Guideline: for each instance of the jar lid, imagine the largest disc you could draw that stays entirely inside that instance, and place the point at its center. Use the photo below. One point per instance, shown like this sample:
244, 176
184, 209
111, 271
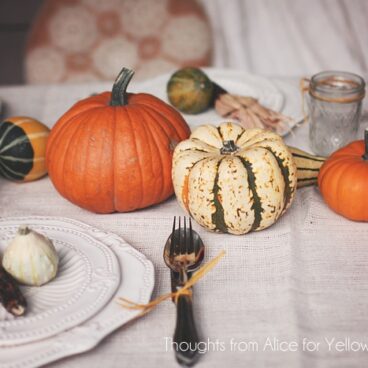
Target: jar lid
337, 87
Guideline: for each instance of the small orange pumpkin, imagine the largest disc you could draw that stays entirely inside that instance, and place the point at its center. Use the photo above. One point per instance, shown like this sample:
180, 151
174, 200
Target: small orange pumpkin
343, 180
113, 151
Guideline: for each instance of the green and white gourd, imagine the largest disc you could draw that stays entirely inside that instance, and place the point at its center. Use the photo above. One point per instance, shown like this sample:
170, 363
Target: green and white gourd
234, 180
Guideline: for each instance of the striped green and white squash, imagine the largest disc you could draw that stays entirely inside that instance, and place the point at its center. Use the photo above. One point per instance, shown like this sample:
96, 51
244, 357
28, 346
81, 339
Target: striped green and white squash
234, 180
307, 166
22, 149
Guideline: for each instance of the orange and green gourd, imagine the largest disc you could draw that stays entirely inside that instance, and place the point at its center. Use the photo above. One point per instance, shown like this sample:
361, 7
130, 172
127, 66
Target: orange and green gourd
23, 148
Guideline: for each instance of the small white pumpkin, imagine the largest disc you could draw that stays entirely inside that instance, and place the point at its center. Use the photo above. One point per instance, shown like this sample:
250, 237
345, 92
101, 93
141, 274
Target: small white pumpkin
31, 258
234, 180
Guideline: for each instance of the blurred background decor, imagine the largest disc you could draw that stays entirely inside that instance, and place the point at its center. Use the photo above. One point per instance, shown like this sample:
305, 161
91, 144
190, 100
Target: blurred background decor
84, 40
94, 38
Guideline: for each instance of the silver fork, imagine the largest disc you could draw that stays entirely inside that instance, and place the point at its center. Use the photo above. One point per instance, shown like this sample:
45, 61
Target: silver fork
183, 254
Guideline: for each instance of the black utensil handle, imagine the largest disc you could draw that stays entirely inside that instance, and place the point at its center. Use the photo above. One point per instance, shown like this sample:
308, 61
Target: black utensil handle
185, 337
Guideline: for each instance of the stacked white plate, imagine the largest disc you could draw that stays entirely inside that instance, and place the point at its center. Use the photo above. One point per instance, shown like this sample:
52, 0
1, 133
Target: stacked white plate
76, 310
282, 96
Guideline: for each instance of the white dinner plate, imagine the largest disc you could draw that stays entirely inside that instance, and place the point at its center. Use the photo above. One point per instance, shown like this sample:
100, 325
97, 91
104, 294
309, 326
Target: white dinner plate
137, 282
234, 81
88, 277
293, 105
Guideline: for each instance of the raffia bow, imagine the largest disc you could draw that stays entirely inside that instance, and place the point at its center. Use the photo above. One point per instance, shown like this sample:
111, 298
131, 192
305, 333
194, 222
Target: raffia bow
185, 290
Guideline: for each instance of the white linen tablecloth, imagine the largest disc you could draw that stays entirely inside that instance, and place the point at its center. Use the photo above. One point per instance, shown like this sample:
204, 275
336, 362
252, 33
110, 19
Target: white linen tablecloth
303, 281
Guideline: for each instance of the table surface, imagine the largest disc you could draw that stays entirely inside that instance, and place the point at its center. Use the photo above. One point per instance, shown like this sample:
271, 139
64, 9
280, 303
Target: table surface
282, 297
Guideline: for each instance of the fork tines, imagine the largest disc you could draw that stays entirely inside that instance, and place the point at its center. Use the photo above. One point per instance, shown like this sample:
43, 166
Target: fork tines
181, 241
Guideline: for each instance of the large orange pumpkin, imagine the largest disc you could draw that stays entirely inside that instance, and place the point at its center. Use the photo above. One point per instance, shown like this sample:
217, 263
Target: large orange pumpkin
113, 151
343, 180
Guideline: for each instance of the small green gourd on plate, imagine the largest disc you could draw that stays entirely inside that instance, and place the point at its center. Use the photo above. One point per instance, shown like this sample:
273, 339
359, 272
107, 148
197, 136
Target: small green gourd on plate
190, 90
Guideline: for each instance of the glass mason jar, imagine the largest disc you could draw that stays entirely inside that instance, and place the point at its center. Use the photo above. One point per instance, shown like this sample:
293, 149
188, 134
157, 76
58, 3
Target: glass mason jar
334, 104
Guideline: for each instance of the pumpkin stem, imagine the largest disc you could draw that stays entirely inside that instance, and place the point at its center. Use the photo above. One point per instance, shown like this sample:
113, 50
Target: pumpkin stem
228, 148
119, 96
365, 156
23, 230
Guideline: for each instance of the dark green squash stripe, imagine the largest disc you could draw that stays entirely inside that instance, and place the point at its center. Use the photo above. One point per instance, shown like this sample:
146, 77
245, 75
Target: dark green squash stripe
312, 158
23, 159
13, 135
15, 169
14, 143
307, 169
240, 135
5, 128
288, 191
194, 150
218, 217
10, 174
257, 204
307, 179
219, 132
199, 140
3, 174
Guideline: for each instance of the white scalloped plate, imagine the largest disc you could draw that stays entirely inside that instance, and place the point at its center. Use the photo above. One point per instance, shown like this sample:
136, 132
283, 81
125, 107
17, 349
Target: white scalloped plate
137, 282
234, 81
88, 277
